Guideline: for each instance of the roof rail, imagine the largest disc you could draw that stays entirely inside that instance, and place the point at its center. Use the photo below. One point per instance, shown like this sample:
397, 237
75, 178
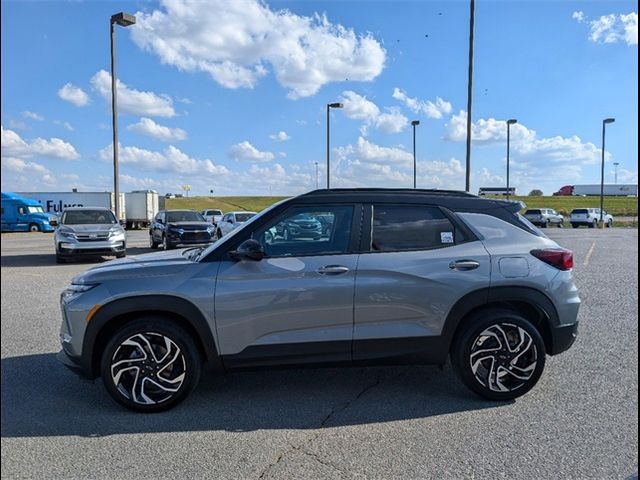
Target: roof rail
409, 191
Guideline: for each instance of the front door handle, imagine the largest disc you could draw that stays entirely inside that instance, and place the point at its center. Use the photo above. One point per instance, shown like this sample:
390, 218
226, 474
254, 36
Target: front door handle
464, 265
332, 270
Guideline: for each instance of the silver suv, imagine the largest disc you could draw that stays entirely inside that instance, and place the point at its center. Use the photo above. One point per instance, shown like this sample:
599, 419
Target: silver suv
89, 231
402, 277
544, 217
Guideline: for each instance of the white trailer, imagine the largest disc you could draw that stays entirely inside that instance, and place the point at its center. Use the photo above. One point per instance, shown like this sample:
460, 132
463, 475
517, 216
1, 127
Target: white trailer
56, 202
142, 206
620, 190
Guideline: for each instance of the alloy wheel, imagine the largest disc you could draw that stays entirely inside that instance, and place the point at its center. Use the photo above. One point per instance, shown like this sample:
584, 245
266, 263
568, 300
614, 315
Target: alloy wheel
503, 357
148, 368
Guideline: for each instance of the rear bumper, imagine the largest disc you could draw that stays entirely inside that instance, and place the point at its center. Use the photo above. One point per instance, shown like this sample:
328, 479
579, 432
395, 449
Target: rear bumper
563, 337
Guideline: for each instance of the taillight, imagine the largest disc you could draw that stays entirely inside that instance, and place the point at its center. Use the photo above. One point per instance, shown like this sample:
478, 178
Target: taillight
560, 258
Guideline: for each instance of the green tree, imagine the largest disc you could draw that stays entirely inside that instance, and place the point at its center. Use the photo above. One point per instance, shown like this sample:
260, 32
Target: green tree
536, 193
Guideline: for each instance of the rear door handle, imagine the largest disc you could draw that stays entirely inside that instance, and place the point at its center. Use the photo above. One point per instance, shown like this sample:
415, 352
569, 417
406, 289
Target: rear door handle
332, 270
464, 265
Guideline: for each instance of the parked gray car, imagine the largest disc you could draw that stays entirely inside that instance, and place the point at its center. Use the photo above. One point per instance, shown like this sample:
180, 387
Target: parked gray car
544, 217
89, 231
402, 277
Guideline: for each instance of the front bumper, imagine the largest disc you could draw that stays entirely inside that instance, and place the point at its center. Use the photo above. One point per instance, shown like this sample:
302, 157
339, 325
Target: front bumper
73, 248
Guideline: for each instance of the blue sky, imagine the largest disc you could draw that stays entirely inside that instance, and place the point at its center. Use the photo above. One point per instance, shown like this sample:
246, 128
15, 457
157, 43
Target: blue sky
231, 96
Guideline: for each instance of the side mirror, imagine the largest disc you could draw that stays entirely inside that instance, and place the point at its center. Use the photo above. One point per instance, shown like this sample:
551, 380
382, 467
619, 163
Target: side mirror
250, 249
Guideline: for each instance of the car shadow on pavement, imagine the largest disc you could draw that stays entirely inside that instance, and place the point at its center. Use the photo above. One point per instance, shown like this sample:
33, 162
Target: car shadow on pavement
49, 259
40, 397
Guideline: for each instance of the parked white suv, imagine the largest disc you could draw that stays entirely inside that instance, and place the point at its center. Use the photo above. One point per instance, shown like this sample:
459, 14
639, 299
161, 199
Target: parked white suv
232, 220
589, 217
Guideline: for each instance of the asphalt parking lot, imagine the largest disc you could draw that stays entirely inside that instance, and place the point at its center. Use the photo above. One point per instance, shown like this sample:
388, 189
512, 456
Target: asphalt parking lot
581, 421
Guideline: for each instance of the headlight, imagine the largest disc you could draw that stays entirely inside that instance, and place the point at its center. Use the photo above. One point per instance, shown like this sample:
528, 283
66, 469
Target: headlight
73, 291
116, 233
67, 233
211, 229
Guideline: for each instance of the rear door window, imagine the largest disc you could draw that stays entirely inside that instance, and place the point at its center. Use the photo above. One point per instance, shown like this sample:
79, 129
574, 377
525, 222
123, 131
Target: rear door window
410, 227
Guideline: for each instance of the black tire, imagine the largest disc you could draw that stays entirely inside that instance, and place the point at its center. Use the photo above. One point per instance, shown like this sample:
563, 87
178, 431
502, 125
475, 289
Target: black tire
152, 242
121, 255
33, 227
529, 362
219, 233
166, 245
609, 224
593, 224
575, 225
60, 258
545, 224
122, 383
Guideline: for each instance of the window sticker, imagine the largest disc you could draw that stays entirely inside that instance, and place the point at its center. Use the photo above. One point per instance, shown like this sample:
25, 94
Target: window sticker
446, 237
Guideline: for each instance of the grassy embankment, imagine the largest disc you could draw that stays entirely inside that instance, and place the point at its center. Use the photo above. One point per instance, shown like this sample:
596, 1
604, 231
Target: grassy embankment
616, 206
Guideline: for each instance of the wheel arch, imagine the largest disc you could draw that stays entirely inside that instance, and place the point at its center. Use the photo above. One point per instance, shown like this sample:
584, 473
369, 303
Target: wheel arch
532, 304
113, 315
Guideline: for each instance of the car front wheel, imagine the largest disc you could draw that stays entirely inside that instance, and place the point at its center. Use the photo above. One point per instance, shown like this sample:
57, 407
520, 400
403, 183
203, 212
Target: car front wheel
150, 365
499, 354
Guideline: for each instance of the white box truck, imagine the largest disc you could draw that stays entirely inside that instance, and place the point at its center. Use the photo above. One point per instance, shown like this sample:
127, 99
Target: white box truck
616, 190
142, 206
56, 202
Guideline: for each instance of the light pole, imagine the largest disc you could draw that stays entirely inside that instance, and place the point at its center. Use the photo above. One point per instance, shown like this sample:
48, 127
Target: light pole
510, 122
329, 107
615, 175
124, 20
604, 124
414, 124
472, 21
317, 175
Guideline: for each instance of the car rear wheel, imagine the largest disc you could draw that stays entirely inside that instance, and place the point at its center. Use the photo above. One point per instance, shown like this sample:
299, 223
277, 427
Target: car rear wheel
150, 365
499, 354
575, 225
593, 224
610, 224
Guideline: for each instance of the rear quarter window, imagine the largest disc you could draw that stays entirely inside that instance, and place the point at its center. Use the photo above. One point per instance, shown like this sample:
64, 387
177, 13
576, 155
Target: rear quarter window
410, 227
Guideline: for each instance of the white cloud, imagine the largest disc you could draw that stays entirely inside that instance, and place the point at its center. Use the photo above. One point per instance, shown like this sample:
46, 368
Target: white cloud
244, 151
367, 151
358, 107
436, 109
18, 125
74, 95
485, 131
236, 42
391, 121
66, 125
14, 146
133, 101
171, 159
525, 142
612, 28
18, 165
32, 115
627, 176
281, 136
148, 127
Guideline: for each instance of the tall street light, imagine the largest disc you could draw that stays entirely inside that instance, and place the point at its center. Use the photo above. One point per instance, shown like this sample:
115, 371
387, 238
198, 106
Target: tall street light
604, 124
329, 107
510, 122
472, 21
414, 124
317, 175
615, 175
124, 20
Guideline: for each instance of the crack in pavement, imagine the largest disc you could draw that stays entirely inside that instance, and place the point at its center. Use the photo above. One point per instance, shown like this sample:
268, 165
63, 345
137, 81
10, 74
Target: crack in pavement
300, 447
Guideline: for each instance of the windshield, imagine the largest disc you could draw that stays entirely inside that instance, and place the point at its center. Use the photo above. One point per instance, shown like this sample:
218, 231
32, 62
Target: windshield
243, 217
184, 216
37, 209
214, 212
88, 217
532, 212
